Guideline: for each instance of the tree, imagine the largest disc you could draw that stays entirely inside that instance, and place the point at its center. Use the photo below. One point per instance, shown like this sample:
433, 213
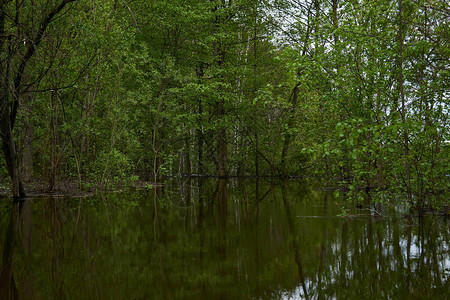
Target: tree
368, 72
22, 29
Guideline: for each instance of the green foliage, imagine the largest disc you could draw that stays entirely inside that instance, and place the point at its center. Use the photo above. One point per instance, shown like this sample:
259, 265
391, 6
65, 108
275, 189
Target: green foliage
366, 135
172, 88
113, 168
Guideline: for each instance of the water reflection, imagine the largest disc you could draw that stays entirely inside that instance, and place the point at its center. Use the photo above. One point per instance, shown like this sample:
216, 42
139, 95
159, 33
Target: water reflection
295, 243
218, 240
17, 238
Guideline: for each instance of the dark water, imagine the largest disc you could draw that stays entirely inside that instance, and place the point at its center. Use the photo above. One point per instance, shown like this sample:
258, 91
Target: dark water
218, 240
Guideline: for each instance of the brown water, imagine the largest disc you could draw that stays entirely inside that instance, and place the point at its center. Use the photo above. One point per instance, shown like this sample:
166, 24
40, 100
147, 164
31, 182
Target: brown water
218, 240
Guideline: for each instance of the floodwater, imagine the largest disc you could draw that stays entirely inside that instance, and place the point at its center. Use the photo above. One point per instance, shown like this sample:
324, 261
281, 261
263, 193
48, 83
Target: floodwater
219, 240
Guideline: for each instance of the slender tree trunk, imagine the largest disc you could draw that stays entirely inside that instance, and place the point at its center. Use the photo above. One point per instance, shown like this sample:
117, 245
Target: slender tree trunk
8, 144
222, 147
12, 160
27, 141
187, 156
157, 162
287, 134
222, 144
402, 99
200, 142
256, 153
295, 90
8, 116
199, 72
255, 87
335, 20
53, 143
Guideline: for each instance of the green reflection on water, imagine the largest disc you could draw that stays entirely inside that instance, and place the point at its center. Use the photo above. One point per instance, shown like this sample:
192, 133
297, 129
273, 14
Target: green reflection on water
218, 240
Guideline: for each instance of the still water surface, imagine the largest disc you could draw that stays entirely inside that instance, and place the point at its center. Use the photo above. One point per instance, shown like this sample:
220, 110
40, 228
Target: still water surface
218, 240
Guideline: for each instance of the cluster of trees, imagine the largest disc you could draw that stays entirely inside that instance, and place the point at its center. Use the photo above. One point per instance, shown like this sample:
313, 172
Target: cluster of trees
105, 92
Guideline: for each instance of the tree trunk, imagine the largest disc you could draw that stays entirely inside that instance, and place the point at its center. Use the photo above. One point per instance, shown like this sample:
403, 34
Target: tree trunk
12, 160
402, 99
199, 132
335, 19
8, 116
222, 144
256, 154
53, 164
8, 143
27, 141
187, 167
287, 134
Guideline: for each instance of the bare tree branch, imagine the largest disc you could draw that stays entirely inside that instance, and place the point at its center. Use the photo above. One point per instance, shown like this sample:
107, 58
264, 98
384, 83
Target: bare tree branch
31, 50
132, 16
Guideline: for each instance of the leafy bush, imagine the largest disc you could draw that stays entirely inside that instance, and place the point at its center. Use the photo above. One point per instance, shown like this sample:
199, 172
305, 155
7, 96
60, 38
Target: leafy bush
113, 168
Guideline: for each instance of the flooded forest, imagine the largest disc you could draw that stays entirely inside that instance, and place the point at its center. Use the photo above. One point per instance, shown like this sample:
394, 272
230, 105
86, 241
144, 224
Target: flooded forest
224, 149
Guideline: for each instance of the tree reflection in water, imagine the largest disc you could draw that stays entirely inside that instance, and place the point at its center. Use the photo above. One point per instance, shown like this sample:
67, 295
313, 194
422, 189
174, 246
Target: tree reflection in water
218, 240
18, 238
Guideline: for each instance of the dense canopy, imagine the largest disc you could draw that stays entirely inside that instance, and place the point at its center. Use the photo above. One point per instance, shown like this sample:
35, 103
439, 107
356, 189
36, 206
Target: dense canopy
351, 94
